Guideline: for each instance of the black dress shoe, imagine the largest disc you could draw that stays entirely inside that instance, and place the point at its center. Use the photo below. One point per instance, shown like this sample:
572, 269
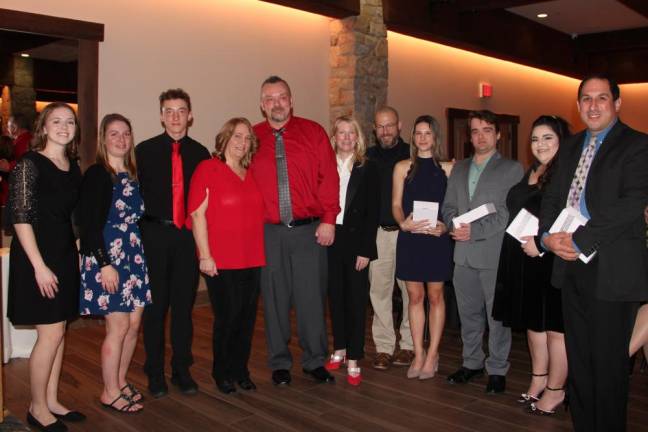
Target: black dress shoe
157, 386
57, 426
184, 382
247, 384
496, 384
71, 416
464, 375
320, 374
226, 386
281, 377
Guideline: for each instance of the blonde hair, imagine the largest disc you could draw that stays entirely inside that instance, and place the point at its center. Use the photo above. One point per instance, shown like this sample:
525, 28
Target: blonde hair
360, 149
226, 133
102, 151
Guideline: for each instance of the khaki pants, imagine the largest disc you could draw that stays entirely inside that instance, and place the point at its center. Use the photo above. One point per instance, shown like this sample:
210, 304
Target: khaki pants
381, 278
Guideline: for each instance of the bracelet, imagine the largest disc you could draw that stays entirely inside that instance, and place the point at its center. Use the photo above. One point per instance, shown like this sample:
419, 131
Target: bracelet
204, 259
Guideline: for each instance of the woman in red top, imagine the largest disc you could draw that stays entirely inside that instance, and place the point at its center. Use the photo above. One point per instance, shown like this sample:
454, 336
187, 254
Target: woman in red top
226, 211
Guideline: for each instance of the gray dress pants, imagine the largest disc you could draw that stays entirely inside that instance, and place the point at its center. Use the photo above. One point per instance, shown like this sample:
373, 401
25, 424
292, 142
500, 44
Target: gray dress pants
294, 275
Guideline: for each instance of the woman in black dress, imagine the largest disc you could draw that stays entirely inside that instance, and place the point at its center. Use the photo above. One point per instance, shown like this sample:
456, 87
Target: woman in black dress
44, 261
422, 251
525, 299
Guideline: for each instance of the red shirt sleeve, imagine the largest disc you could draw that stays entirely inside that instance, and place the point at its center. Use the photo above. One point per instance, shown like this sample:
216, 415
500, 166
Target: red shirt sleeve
197, 189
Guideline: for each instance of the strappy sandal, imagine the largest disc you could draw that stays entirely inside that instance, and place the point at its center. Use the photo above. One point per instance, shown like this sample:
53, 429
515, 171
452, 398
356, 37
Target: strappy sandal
533, 408
135, 395
526, 398
126, 409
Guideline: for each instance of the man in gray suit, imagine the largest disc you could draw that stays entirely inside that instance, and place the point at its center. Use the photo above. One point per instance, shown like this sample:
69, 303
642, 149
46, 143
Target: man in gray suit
484, 178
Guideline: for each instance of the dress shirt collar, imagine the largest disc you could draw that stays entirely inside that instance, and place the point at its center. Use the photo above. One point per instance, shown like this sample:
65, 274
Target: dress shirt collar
601, 135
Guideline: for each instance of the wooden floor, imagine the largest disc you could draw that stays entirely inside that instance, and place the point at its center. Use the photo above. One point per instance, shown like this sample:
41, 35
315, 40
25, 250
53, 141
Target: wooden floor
386, 401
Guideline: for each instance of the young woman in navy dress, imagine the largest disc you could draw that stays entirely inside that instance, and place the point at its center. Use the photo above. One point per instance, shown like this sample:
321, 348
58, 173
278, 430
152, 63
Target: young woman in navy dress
422, 253
114, 277
44, 261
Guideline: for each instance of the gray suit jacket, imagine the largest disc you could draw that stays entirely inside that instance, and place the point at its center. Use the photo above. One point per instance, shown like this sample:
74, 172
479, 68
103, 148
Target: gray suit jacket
483, 249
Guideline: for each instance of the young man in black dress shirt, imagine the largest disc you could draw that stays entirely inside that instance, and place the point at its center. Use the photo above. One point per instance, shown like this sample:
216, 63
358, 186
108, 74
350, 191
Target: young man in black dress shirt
164, 163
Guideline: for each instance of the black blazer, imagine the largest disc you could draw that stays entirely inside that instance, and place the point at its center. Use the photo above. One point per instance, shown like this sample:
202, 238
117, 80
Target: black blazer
361, 211
616, 194
154, 171
92, 212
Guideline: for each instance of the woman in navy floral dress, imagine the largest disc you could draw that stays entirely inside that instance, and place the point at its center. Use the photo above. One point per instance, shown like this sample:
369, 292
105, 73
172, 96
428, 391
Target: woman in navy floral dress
114, 279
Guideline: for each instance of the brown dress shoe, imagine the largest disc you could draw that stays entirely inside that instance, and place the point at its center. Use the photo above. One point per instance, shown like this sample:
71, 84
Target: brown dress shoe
403, 357
382, 361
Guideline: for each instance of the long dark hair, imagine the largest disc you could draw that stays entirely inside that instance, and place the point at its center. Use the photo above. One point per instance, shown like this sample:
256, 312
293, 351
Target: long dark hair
561, 128
437, 152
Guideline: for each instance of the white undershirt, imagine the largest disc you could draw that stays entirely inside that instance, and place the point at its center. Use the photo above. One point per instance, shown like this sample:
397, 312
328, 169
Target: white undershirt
344, 170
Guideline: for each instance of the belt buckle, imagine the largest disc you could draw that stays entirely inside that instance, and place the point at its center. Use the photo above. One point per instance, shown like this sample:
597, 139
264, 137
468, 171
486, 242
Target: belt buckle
290, 224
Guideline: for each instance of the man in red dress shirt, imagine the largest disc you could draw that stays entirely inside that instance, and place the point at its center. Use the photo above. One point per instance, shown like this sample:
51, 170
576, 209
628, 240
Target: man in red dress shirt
18, 126
299, 225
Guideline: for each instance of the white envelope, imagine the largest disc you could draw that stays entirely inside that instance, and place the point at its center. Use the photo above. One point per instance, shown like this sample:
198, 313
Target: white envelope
523, 225
426, 210
474, 214
568, 221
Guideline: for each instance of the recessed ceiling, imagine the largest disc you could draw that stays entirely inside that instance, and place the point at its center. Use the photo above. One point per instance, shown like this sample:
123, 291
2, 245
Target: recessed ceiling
63, 50
576, 17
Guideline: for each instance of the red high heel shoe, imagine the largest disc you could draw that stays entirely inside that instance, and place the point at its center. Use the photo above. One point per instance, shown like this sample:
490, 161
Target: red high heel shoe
354, 377
335, 362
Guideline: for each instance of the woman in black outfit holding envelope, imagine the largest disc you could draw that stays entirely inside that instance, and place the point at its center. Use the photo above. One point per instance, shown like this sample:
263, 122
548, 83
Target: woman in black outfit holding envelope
524, 297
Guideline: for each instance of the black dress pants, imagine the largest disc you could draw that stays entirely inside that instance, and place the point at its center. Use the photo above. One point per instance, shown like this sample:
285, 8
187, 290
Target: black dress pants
597, 336
234, 296
173, 273
348, 294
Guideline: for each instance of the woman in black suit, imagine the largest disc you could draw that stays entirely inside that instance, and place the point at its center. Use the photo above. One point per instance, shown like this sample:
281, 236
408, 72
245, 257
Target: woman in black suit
354, 246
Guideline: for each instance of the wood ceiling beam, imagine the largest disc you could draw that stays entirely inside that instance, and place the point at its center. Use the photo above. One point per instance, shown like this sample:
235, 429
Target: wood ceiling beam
331, 8
480, 5
639, 6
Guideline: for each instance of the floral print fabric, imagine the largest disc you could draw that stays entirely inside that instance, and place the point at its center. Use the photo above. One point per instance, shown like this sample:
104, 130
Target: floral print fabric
124, 243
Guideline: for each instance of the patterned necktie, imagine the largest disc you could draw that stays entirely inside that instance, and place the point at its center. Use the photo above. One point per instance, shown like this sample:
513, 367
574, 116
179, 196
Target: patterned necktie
177, 186
580, 176
285, 206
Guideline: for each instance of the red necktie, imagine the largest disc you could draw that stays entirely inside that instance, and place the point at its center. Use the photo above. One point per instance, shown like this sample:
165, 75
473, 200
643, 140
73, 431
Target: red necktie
177, 186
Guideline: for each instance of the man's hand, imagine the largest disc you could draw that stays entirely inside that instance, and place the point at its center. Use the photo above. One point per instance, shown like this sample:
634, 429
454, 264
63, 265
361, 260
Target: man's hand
529, 247
325, 234
4, 165
562, 245
461, 233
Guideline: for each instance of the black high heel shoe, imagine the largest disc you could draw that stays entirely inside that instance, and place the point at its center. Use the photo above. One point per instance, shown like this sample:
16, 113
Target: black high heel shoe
533, 409
526, 398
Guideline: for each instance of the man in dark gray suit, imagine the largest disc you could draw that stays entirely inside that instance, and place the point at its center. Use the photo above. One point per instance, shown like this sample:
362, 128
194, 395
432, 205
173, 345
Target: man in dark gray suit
484, 178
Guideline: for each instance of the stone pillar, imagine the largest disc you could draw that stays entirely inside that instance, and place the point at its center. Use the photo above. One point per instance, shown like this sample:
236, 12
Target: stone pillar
23, 95
358, 61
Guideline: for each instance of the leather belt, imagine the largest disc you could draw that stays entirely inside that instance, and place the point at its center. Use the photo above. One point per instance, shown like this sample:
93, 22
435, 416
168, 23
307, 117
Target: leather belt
157, 220
390, 227
300, 222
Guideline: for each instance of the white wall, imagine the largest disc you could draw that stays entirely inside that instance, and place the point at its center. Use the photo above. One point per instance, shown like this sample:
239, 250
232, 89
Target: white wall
427, 78
218, 50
